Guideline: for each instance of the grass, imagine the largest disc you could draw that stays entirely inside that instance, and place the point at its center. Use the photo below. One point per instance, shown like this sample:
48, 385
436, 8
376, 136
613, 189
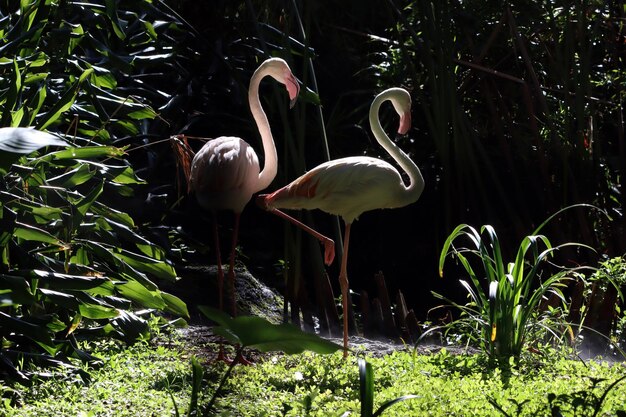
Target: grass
141, 381
136, 381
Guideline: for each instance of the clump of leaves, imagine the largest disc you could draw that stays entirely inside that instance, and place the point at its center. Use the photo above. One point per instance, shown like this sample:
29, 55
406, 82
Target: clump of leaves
72, 264
505, 296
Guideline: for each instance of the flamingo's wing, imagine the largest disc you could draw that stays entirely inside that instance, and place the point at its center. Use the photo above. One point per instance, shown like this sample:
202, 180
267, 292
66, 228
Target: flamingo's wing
345, 187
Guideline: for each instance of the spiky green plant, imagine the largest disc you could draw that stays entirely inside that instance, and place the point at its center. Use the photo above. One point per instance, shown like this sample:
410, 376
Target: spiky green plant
505, 297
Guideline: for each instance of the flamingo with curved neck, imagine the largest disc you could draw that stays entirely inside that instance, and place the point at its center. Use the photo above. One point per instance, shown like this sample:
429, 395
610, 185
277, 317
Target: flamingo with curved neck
351, 186
225, 172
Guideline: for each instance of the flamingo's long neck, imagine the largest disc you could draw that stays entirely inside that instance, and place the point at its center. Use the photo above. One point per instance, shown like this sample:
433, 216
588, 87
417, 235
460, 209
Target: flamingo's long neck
416, 185
270, 167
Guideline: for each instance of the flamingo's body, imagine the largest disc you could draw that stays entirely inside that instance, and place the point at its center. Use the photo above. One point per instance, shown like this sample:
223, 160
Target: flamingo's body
351, 186
225, 172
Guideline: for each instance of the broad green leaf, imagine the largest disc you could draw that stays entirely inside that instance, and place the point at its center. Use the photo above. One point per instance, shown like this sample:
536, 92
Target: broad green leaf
73, 178
58, 281
126, 233
146, 112
136, 292
159, 269
62, 299
85, 203
132, 327
97, 312
151, 250
31, 233
175, 305
257, 332
15, 87
114, 215
37, 102
17, 116
86, 152
16, 289
25, 140
111, 12
42, 213
128, 176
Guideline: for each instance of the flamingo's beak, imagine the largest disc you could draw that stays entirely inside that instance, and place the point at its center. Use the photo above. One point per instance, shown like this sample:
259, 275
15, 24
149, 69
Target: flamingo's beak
405, 123
293, 88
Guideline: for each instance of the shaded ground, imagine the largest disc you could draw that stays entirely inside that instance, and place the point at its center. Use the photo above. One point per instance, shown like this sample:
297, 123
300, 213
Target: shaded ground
198, 286
202, 343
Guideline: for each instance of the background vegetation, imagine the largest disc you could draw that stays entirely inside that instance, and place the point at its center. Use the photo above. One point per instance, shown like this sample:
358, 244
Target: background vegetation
518, 114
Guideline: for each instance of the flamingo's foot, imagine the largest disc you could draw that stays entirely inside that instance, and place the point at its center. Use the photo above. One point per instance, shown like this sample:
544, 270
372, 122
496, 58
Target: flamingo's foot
221, 356
240, 359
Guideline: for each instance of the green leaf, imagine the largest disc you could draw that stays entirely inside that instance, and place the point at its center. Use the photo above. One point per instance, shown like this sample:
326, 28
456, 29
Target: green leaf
136, 292
85, 203
128, 177
85, 152
31, 233
131, 326
366, 383
175, 305
16, 290
146, 112
114, 215
73, 178
60, 281
97, 312
111, 12
62, 299
15, 141
159, 269
260, 334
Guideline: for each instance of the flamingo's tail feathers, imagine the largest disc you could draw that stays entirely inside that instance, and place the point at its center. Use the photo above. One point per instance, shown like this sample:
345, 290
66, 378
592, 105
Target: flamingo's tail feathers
184, 155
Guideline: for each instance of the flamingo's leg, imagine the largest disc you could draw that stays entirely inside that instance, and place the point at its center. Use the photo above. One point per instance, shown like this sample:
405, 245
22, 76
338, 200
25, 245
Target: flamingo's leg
220, 282
231, 282
329, 244
343, 282
231, 269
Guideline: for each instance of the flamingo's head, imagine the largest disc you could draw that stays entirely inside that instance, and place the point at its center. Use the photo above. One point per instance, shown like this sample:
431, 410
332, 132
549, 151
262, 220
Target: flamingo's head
280, 71
402, 103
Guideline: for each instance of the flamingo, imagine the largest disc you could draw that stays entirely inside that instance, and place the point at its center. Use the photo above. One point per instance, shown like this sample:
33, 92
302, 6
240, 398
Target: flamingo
351, 186
225, 172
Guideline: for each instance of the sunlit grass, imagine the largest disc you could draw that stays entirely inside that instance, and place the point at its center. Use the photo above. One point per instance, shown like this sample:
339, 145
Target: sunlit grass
447, 385
138, 381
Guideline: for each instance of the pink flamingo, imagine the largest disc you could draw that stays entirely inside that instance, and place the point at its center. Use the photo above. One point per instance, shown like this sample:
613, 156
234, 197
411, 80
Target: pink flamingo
225, 173
350, 186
